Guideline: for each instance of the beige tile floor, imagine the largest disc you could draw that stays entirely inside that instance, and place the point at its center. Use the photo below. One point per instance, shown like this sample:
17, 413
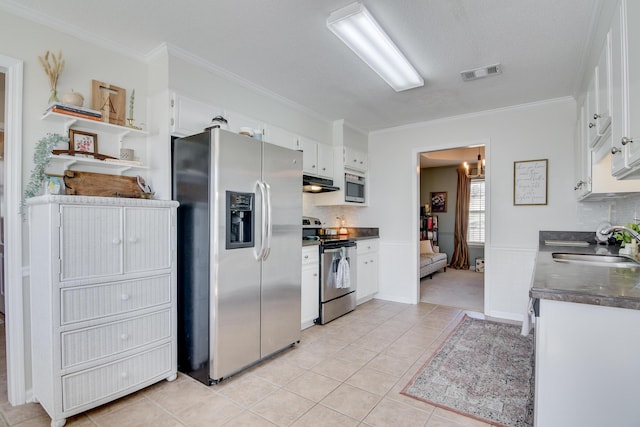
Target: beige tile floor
347, 373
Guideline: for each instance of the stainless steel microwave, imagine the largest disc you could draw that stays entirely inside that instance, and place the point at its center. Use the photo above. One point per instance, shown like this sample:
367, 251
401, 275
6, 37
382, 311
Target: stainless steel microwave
354, 188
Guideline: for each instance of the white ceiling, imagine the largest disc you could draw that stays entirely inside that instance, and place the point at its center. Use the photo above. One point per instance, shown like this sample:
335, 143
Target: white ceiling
284, 47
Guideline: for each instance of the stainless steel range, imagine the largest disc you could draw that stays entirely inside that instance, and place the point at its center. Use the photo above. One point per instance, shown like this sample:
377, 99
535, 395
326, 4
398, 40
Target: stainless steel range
337, 271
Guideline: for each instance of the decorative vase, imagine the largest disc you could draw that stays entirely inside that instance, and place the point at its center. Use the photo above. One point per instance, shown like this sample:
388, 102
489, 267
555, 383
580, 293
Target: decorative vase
53, 96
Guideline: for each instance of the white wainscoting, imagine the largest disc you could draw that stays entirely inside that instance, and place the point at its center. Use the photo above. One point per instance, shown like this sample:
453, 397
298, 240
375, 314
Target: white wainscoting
508, 275
398, 272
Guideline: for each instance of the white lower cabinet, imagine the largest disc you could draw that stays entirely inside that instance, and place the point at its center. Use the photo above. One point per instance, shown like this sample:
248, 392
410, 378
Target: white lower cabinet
103, 299
367, 253
586, 367
310, 299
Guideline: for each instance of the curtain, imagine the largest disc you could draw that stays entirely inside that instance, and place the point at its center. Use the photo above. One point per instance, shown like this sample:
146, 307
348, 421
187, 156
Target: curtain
460, 258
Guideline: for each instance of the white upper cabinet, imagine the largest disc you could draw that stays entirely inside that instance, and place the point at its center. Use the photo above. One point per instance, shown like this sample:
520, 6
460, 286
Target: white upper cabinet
619, 155
189, 116
354, 159
317, 158
598, 101
281, 137
237, 121
583, 158
602, 115
625, 66
631, 37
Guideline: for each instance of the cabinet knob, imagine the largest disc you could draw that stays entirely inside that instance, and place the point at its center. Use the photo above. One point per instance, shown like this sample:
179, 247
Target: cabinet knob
116, 241
366, 262
125, 297
315, 274
124, 337
306, 257
133, 240
626, 140
615, 150
591, 125
596, 116
313, 166
124, 375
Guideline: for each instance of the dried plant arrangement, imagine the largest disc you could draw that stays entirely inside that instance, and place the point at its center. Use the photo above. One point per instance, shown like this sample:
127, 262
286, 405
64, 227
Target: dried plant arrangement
53, 70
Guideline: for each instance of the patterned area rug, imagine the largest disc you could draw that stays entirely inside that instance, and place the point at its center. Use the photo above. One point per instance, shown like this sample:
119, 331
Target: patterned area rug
483, 370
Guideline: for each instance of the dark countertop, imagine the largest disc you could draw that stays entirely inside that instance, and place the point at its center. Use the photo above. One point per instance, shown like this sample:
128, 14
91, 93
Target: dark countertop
583, 283
355, 233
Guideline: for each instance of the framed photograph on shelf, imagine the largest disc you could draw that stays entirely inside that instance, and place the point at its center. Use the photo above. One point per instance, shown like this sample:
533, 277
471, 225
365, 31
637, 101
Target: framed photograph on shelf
82, 142
439, 201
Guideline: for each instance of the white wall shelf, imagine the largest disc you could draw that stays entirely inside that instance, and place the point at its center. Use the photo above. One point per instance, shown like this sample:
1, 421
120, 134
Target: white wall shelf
59, 163
97, 126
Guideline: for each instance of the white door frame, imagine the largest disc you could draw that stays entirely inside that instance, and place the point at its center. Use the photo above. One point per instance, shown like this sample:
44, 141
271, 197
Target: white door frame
14, 308
487, 213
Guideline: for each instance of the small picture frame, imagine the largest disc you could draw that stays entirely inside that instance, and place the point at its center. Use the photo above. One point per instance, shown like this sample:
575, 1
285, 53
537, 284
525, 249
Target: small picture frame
82, 142
439, 201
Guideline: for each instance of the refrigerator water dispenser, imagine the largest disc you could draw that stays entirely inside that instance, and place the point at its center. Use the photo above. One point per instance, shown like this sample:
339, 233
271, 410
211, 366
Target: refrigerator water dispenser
240, 220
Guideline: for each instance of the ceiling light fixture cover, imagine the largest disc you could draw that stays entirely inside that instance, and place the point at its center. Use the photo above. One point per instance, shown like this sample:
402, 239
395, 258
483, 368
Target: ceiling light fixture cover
355, 26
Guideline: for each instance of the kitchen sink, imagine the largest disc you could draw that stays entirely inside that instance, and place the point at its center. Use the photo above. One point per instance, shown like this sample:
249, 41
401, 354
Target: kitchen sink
596, 260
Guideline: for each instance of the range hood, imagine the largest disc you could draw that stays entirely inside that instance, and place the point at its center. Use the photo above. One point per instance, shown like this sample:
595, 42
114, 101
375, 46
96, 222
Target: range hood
313, 184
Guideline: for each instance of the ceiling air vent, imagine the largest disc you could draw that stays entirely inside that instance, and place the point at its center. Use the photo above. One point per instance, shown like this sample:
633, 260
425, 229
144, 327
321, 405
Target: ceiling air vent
478, 73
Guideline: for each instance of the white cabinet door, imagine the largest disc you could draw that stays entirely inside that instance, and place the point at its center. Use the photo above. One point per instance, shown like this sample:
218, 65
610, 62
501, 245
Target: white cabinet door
581, 154
281, 137
325, 160
317, 158
354, 159
592, 104
603, 113
619, 153
190, 116
367, 270
310, 292
237, 121
90, 241
630, 16
147, 239
309, 155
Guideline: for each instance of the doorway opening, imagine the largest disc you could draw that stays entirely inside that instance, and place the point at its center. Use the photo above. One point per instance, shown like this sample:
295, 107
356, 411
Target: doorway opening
441, 213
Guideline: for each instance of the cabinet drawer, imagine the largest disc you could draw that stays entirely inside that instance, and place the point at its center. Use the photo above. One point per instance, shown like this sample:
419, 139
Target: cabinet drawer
91, 302
310, 255
89, 386
89, 344
365, 246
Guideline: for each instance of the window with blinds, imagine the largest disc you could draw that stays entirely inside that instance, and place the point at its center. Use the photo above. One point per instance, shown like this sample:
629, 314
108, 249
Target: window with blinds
475, 231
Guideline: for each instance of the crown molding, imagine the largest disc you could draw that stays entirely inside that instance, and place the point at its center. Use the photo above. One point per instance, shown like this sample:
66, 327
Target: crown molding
228, 75
17, 9
483, 113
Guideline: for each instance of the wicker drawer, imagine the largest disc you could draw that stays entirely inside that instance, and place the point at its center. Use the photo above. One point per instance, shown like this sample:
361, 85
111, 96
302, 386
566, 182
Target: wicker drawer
87, 387
84, 345
96, 301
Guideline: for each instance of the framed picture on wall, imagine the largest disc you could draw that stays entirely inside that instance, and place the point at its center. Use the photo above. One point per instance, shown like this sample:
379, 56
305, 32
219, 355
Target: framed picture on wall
439, 201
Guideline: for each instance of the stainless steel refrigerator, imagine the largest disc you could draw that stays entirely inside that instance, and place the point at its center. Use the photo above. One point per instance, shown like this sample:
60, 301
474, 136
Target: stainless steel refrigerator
239, 251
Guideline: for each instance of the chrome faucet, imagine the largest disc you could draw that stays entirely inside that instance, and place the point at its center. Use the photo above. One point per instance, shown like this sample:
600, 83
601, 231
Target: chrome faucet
605, 230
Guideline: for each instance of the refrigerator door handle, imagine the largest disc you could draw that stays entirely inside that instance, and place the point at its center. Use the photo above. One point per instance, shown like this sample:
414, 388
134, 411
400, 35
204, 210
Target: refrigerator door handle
267, 249
263, 230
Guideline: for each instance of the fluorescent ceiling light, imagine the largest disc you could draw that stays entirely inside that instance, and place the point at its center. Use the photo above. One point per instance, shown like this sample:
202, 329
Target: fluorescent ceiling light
355, 26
